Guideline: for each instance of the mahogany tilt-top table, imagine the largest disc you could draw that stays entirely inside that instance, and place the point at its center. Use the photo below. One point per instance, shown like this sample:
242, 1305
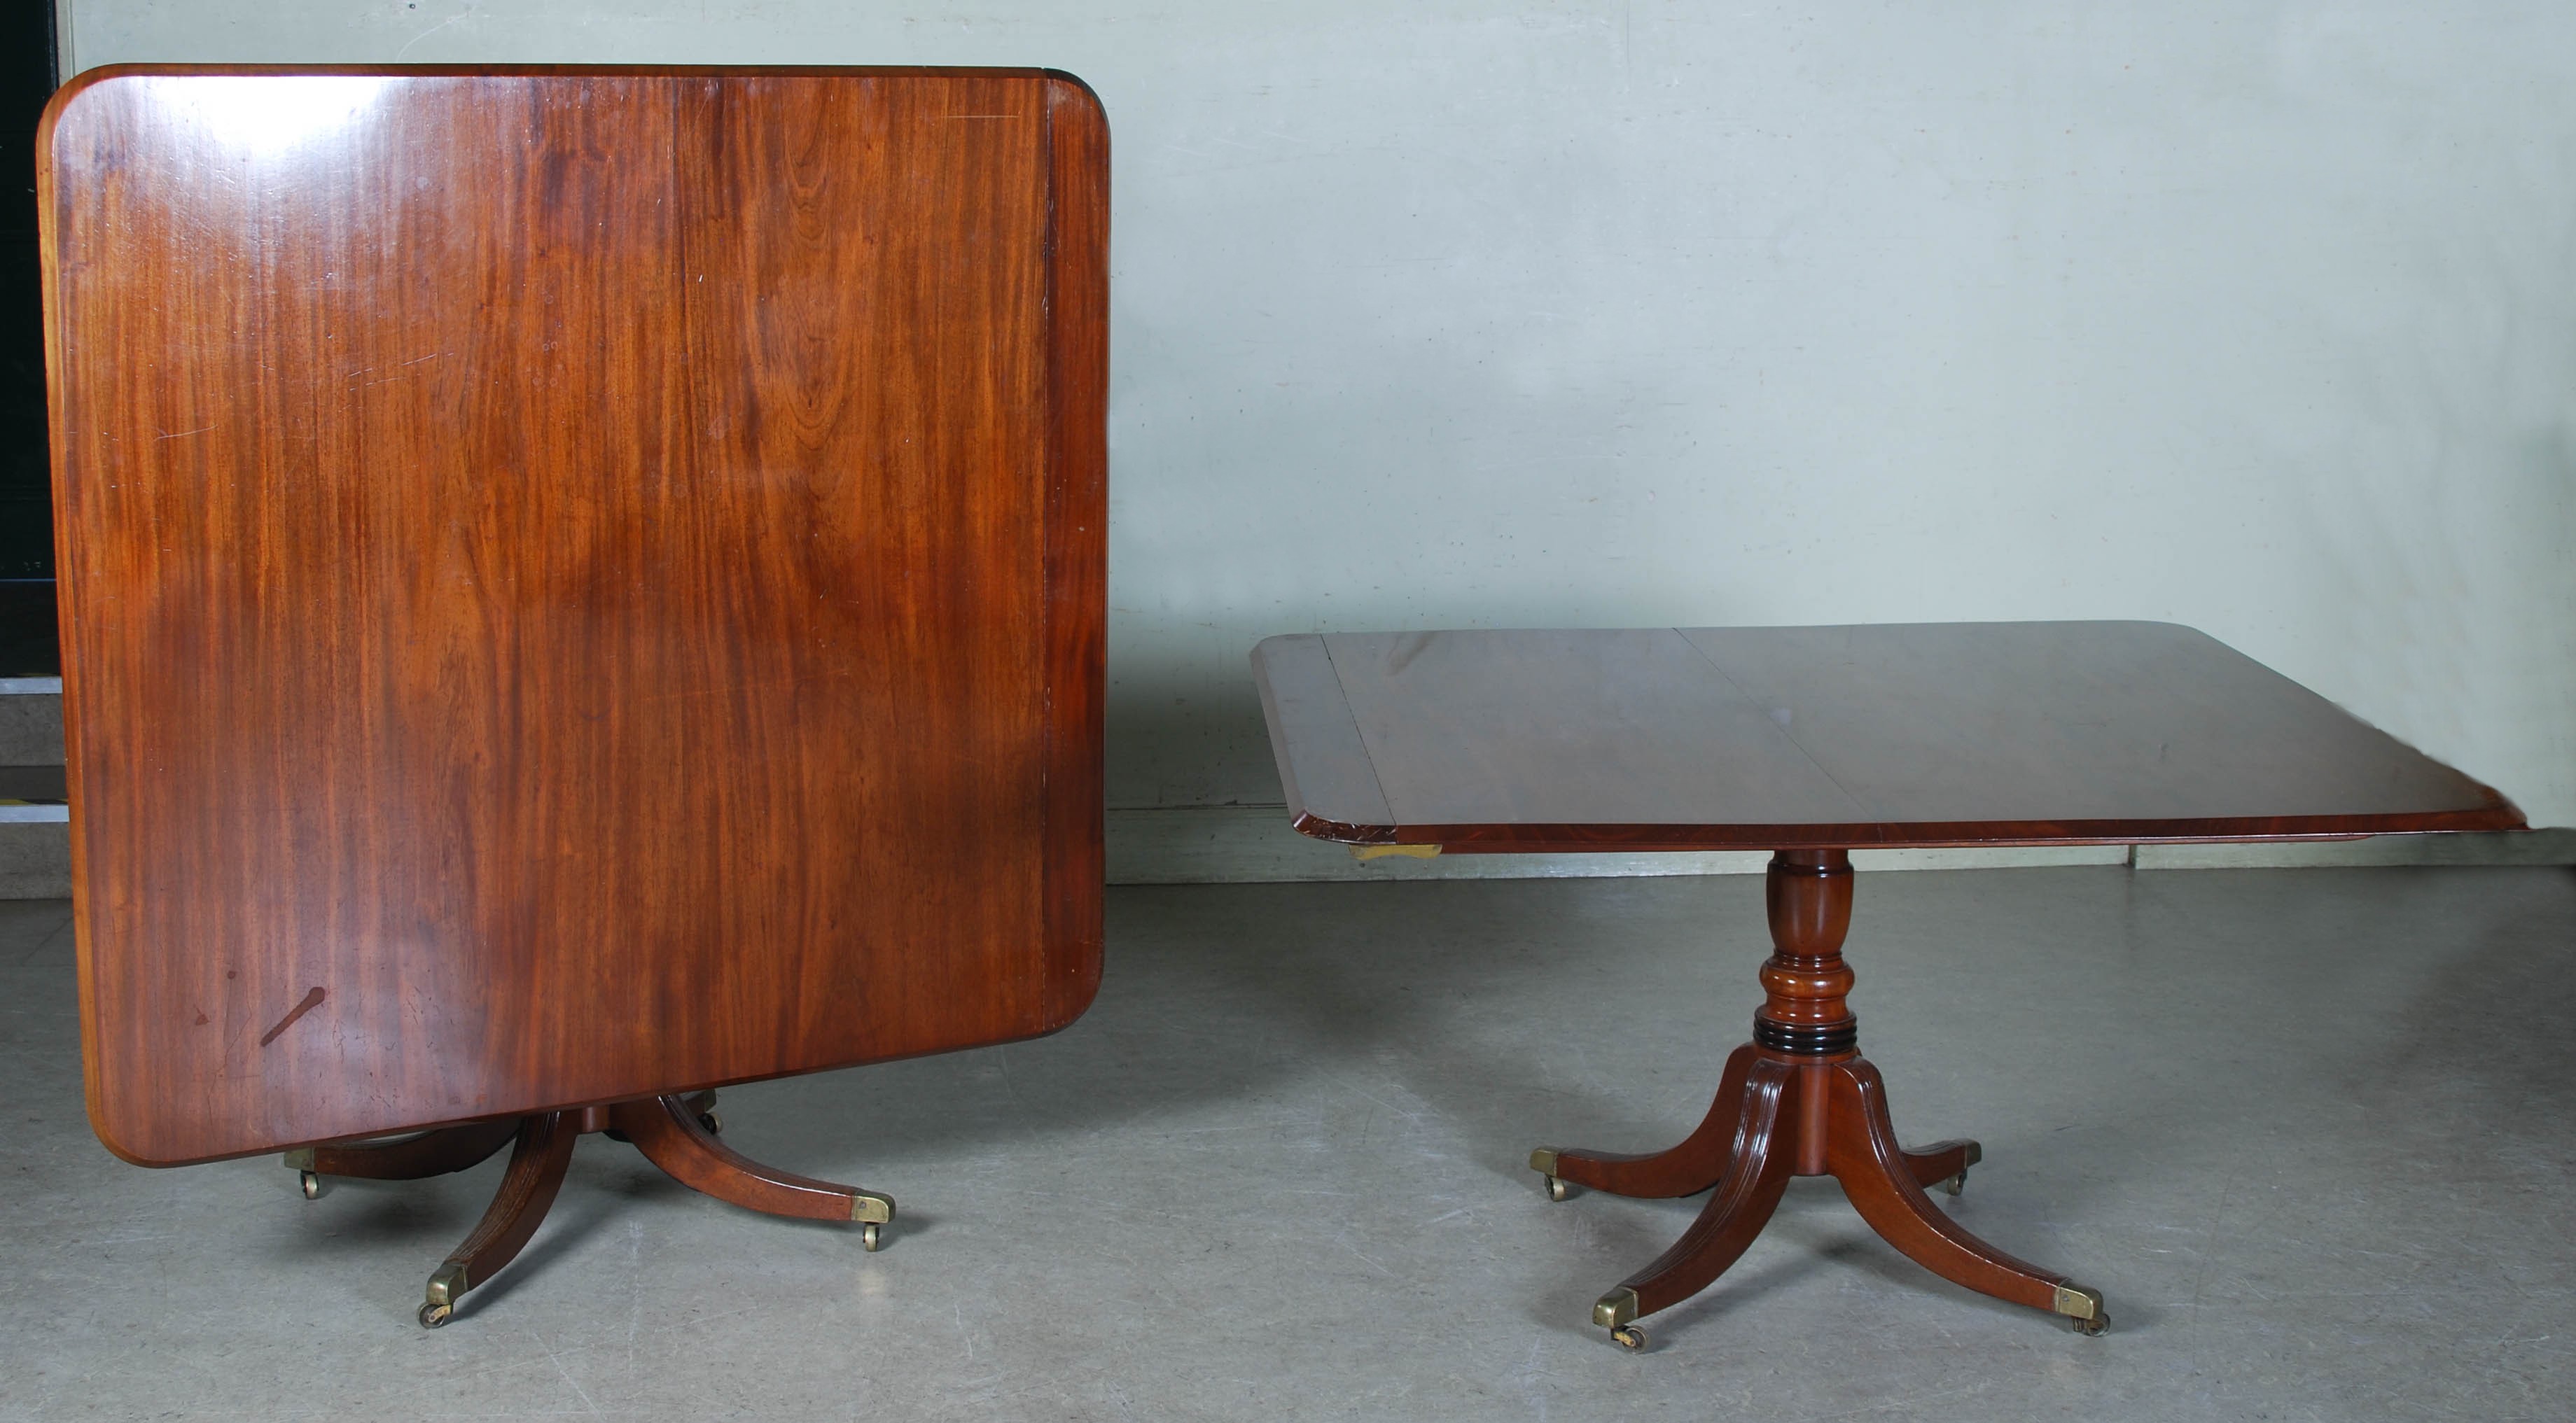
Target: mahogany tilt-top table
1811, 742
580, 586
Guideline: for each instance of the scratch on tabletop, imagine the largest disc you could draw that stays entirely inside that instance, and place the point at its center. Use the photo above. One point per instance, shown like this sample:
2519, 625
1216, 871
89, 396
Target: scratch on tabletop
311, 1001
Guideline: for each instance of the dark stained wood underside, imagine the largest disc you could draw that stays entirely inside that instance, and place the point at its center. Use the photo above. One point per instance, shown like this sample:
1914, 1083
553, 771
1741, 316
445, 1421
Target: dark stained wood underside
1829, 737
577, 585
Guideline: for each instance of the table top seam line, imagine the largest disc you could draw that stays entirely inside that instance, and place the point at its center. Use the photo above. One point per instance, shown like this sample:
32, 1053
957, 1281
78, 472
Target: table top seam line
1785, 733
1394, 822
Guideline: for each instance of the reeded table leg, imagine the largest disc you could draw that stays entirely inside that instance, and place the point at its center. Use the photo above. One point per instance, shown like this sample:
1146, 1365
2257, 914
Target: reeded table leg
1800, 1100
1757, 1172
672, 1137
537, 1165
1944, 1164
1863, 1155
432, 1153
1684, 1170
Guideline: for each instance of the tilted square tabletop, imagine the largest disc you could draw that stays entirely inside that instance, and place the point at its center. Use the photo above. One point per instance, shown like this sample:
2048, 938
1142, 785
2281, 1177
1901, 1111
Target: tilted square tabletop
564, 572
581, 587
1790, 737
1809, 742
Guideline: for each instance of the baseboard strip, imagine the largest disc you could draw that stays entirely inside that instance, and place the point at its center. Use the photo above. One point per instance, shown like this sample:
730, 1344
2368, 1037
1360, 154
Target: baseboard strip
2518, 847
1237, 844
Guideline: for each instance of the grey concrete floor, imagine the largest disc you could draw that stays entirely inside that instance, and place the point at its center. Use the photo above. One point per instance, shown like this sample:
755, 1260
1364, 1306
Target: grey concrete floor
2309, 1130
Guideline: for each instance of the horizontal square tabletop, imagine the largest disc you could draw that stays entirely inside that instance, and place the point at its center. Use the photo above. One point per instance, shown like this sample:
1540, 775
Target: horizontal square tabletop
1830, 737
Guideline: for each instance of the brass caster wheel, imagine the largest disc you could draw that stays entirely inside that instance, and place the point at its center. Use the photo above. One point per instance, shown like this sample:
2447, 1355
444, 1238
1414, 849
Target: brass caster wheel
434, 1315
1543, 1161
312, 1186
2083, 1309
869, 1239
1628, 1337
713, 1123
1951, 1186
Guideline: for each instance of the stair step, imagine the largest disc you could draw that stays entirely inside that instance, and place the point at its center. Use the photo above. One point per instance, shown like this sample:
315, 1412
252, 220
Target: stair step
35, 823
31, 721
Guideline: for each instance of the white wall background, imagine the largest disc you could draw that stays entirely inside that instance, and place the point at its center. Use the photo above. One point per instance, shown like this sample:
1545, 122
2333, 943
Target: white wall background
2259, 317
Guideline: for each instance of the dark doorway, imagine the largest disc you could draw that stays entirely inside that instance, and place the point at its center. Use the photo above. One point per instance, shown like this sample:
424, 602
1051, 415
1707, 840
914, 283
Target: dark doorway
27, 77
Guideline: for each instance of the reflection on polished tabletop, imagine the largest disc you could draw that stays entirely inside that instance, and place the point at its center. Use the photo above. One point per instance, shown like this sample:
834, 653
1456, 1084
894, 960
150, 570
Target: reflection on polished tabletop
1811, 741
1831, 737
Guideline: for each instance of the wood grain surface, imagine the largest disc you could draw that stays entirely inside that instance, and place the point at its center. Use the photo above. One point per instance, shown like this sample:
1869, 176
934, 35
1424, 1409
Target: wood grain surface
598, 573
1830, 737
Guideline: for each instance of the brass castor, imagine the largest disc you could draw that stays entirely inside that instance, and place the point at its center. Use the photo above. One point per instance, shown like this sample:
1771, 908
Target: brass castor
1543, 1161
312, 1185
434, 1315
713, 1123
1628, 1337
1952, 1185
2083, 1309
869, 1239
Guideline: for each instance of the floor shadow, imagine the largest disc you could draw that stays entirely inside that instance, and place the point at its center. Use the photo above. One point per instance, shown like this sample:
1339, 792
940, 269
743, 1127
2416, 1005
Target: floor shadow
1211, 995
2496, 970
